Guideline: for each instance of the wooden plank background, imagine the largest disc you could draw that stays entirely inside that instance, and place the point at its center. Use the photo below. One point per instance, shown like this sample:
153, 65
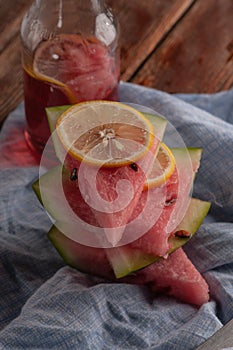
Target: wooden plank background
197, 56
171, 45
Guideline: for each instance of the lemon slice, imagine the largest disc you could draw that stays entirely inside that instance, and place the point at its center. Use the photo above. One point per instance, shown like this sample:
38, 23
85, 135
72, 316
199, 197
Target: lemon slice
50, 65
45, 68
105, 133
81, 67
163, 167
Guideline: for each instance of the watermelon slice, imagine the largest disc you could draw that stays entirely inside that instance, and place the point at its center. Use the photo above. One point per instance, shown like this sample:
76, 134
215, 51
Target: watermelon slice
154, 258
124, 259
86, 259
174, 196
175, 276
127, 259
113, 221
109, 216
58, 200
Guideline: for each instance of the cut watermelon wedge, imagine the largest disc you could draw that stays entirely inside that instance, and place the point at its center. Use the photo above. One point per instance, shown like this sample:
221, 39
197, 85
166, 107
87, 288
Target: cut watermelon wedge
126, 260
169, 198
188, 285
58, 204
123, 260
154, 258
175, 276
107, 182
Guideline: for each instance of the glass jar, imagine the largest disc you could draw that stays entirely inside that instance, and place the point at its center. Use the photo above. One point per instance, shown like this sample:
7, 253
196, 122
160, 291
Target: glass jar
69, 54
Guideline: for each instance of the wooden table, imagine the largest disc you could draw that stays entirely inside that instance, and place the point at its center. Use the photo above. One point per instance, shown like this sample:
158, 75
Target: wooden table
172, 45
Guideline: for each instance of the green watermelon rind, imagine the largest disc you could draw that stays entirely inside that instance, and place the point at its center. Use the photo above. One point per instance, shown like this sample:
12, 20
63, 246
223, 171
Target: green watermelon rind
195, 154
129, 260
122, 261
51, 191
59, 241
66, 247
159, 123
53, 113
49, 178
125, 261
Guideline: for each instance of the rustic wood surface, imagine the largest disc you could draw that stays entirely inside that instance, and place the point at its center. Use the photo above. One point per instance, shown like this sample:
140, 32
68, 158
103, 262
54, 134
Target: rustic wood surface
171, 45
197, 55
221, 340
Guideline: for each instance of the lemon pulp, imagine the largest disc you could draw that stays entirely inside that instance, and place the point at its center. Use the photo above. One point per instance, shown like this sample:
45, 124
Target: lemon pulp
105, 133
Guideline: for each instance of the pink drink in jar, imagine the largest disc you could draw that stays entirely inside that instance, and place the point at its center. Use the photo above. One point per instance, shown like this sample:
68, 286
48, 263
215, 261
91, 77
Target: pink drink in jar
65, 70
69, 55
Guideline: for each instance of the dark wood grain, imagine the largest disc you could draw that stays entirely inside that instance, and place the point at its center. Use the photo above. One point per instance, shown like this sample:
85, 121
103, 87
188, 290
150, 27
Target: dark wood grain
11, 14
197, 55
10, 78
175, 45
143, 25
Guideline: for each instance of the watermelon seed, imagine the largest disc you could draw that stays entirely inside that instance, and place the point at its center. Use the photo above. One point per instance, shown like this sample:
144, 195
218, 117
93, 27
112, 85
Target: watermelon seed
169, 202
74, 175
134, 166
183, 234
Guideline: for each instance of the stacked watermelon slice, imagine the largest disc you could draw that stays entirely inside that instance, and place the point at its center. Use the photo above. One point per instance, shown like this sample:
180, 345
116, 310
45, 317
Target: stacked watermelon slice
154, 258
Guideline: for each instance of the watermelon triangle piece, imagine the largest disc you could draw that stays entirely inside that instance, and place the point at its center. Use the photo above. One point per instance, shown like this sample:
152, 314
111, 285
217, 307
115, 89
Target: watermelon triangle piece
154, 212
113, 192
102, 189
155, 239
175, 276
128, 259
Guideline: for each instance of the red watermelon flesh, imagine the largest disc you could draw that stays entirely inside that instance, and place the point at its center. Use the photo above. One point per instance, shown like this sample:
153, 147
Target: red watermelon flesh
173, 197
161, 205
175, 276
80, 206
155, 219
101, 187
75, 200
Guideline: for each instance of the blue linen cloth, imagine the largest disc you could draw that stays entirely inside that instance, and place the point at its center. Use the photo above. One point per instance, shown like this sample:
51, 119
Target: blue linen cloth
47, 305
